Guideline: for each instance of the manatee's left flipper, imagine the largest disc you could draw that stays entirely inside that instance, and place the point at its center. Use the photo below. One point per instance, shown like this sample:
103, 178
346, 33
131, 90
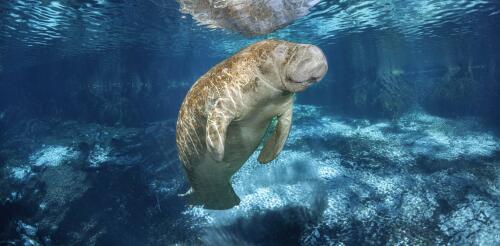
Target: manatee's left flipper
219, 118
275, 143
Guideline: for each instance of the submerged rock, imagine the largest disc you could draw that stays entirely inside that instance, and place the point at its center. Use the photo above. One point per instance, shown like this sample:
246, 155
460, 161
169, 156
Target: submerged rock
249, 18
75, 185
52, 156
474, 222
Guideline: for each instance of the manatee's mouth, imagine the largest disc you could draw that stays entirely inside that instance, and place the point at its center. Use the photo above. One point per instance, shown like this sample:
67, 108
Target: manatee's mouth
296, 85
308, 81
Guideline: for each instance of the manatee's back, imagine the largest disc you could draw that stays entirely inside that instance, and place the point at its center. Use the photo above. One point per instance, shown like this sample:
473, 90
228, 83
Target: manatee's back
191, 122
190, 128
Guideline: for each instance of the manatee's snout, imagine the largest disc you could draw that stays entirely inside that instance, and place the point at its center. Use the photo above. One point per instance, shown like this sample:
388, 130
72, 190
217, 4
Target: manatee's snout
307, 67
318, 66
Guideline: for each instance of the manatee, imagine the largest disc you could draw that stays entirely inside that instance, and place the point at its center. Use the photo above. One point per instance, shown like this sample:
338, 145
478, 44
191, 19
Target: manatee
227, 111
249, 18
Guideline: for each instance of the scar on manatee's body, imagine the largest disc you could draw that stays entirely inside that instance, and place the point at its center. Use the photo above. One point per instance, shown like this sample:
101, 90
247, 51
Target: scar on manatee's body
210, 146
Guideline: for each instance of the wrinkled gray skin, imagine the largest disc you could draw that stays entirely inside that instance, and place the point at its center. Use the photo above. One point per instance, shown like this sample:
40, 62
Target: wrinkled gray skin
227, 111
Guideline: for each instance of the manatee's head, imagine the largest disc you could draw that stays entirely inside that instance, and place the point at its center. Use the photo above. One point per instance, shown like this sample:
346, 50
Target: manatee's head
293, 67
305, 65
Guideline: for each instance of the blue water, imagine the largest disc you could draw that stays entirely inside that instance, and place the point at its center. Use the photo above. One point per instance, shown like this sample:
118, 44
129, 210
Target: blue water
398, 145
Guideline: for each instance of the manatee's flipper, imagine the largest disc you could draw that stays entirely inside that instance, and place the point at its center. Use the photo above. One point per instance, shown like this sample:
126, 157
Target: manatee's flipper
217, 197
275, 143
219, 118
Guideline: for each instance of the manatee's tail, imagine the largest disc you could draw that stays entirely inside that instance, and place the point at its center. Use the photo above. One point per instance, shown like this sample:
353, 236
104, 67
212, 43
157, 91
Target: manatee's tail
216, 197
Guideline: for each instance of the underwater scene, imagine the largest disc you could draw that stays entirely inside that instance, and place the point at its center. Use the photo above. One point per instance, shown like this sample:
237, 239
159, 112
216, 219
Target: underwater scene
234, 122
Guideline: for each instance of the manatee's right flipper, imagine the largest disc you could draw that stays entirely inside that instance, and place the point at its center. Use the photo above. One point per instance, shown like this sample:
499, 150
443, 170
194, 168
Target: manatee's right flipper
219, 118
275, 143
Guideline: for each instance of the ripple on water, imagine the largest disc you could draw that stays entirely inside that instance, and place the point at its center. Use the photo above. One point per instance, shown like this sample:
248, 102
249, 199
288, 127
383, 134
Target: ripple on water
78, 27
